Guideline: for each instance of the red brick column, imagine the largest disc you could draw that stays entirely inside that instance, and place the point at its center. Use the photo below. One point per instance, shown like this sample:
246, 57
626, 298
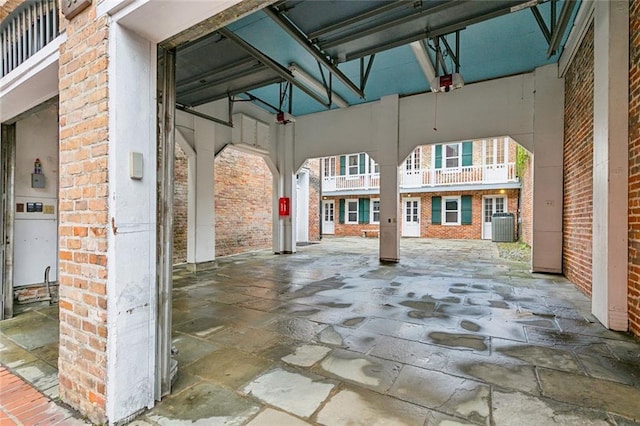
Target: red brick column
578, 167
83, 214
634, 168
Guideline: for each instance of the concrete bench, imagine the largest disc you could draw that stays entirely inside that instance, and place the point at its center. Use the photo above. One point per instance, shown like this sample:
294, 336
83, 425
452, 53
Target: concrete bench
371, 233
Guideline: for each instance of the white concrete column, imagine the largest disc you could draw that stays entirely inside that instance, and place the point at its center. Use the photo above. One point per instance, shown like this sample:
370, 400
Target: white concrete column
201, 242
387, 141
548, 136
131, 278
285, 186
610, 163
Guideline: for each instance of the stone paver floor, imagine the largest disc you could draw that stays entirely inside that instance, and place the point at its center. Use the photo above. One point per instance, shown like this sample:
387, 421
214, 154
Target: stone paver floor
452, 334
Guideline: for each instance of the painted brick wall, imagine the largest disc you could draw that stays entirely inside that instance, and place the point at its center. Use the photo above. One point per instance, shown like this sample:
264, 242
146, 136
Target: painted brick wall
180, 204
243, 191
83, 204
634, 168
578, 164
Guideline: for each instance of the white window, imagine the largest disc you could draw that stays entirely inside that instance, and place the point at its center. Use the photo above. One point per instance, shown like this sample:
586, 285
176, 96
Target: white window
375, 211
413, 160
452, 156
329, 167
353, 164
451, 210
351, 211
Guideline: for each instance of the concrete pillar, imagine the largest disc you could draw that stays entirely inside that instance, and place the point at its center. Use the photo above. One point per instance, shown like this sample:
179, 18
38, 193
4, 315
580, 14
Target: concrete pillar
548, 136
610, 163
284, 185
387, 114
201, 242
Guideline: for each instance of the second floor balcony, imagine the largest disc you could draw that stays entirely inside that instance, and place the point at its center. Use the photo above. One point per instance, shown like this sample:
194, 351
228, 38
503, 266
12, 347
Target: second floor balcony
427, 178
30, 27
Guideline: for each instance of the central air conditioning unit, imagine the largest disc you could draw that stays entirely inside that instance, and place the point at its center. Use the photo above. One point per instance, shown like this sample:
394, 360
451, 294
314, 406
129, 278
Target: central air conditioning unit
447, 83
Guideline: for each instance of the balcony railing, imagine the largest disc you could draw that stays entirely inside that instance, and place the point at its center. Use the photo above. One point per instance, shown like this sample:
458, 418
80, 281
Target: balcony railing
469, 175
29, 28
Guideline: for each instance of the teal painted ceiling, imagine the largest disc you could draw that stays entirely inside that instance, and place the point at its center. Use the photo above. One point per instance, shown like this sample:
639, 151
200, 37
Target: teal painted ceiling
492, 44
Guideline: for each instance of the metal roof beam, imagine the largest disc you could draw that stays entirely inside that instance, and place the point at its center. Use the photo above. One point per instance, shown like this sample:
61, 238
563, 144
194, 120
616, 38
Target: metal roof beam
282, 71
359, 18
540, 20
391, 24
249, 62
563, 21
222, 80
302, 39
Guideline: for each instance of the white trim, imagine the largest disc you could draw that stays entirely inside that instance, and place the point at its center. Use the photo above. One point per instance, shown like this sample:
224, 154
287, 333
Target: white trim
346, 211
444, 210
505, 210
347, 171
32, 82
578, 31
372, 210
444, 157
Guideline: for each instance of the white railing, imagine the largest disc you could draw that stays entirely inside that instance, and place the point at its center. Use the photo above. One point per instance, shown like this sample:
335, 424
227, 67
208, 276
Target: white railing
29, 28
339, 183
468, 175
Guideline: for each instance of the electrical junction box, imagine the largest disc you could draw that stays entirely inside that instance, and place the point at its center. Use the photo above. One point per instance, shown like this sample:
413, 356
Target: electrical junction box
37, 180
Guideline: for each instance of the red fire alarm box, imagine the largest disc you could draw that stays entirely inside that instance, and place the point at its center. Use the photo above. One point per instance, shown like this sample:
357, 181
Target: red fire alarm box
285, 206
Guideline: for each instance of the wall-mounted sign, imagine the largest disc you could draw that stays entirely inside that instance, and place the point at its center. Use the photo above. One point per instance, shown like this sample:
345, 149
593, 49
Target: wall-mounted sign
71, 8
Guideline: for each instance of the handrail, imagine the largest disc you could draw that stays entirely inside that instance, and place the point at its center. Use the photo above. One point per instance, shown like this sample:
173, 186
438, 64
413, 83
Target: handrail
468, 175
30, 27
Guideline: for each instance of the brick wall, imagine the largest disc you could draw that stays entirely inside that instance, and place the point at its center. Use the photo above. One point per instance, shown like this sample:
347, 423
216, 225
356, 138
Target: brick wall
526, 202
429, 230
634, 168
83, 203
314, 199
243, 191
180, 204
578, 164
472, 231
8, 6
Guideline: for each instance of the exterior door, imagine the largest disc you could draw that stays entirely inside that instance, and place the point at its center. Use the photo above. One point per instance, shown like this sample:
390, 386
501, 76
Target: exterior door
411, 217
328, 224
412, 170
491, 205
495, 160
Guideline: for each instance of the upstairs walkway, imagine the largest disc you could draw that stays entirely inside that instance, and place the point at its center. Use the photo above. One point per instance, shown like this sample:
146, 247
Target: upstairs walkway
453, 334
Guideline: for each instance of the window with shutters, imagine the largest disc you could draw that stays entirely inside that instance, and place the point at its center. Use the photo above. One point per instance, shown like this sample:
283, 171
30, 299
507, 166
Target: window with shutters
451, 156
375, 211
351, 211
353, 164
451, 210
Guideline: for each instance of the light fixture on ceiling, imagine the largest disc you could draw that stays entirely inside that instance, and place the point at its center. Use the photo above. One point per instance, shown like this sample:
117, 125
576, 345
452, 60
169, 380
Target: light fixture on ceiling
422, 56
315, 85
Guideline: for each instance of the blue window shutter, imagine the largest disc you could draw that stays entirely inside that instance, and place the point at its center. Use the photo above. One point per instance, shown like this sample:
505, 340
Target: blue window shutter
438, 160
341, 211
467, 153
436, 210
466, 218
343, 165
363, 210
362, 163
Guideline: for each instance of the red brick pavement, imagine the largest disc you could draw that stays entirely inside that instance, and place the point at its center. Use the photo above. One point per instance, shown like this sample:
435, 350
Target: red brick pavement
21, 404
